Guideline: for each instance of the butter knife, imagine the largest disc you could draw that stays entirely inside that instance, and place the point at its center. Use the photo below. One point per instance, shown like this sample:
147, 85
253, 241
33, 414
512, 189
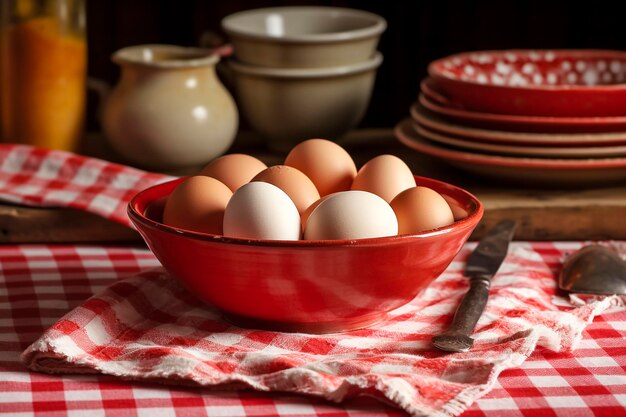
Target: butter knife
481, 266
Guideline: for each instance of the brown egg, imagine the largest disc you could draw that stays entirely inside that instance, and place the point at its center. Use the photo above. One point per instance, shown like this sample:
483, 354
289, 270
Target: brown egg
421, 208
327, 164
385, 175
293, 182
197, 204
234, 169
458, 211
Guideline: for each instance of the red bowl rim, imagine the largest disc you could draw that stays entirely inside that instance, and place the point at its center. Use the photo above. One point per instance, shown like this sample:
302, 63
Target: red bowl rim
470, 221
435, 69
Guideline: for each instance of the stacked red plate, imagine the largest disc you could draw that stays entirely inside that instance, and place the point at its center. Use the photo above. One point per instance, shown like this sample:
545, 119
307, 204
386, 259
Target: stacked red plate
549, 117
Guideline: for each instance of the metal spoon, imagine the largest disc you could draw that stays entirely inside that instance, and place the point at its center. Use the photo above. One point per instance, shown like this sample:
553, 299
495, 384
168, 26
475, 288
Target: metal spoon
594, 269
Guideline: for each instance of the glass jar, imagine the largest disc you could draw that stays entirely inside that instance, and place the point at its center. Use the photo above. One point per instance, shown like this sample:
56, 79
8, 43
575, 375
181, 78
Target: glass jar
43, 69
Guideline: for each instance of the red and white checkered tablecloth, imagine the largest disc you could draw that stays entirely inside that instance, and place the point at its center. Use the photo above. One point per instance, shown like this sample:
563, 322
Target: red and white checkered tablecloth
40, 283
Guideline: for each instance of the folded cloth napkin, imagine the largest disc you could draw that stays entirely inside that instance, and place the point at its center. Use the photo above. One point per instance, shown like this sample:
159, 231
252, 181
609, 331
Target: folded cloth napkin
147, 327
40, 177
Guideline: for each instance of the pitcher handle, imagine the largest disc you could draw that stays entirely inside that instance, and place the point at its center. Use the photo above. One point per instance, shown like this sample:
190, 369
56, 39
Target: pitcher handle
102, 90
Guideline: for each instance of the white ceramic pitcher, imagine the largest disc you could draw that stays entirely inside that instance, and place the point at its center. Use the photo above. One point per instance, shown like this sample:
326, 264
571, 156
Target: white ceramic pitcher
169, 110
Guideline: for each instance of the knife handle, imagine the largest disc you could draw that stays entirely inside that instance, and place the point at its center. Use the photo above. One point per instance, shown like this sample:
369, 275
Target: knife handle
471, 307
456, 338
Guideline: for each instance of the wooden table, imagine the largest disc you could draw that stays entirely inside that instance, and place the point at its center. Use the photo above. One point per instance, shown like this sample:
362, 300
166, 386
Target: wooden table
547, 214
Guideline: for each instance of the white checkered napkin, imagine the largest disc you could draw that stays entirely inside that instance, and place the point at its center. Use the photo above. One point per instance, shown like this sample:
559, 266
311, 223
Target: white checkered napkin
40, 177
148, 327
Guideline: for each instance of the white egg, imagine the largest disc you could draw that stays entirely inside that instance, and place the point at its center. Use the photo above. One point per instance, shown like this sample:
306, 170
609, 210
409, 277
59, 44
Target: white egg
351, 215
259, 210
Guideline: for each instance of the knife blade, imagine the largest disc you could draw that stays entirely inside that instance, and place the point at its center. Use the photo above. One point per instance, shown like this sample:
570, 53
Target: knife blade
482, 264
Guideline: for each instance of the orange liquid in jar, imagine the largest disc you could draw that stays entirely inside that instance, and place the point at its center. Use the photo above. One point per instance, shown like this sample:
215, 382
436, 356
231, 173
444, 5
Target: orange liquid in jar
43, 84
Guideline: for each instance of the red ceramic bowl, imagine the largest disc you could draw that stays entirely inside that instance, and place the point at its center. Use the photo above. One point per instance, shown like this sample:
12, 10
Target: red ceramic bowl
560, 83
306, 286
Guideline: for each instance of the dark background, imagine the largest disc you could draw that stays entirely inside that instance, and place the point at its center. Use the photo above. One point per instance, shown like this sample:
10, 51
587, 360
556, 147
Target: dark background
418, 32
